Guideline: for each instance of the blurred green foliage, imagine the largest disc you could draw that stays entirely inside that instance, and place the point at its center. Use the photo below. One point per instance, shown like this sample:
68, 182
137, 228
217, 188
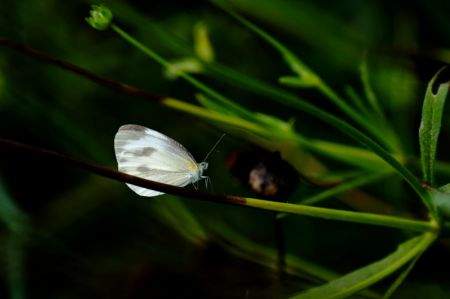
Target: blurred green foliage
65, 233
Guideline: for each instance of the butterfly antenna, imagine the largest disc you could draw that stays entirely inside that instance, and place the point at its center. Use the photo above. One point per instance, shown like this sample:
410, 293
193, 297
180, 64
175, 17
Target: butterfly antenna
214, 147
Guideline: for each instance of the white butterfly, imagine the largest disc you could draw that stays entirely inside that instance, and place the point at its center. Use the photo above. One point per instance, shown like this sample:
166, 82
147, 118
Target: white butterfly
148, 154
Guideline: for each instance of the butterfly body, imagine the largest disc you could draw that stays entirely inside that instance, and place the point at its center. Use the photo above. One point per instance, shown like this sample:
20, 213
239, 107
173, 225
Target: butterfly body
148, 154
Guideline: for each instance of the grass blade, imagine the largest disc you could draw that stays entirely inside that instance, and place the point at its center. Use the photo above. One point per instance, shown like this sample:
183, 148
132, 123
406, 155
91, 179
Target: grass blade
430, 125
360, 279
370, 94
400, 278
17, 223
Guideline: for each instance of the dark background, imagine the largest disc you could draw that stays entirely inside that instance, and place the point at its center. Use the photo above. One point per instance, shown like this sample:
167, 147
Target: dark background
91, 237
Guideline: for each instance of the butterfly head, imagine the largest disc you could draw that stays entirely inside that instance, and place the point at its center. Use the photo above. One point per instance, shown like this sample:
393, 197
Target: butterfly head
203, 166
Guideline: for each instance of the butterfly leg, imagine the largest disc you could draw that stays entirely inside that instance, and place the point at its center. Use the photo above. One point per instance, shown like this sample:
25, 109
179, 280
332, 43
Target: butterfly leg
207, 181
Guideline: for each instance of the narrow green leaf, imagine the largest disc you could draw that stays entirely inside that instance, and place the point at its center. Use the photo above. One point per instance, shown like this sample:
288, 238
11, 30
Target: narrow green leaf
272, 125
445, 188
430, 125
356, 99
222, 107
352, 155
370, 94
360, 279
346, 186
17, 222
10, 214
15, 255
227, 119
202, 44
441, 198
401, 278
294, 82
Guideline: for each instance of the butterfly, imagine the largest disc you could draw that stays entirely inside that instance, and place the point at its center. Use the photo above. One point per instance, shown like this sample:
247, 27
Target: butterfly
151, 155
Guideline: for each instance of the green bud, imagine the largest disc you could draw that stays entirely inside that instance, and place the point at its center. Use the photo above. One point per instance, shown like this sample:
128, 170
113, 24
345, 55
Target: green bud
101, 17
202, 44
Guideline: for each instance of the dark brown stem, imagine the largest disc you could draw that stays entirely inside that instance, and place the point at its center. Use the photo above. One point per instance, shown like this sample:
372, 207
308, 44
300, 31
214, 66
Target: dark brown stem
119, 176
79, 71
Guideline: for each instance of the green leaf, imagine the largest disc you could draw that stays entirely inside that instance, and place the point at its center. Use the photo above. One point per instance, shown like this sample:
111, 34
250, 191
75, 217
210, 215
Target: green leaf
346, 186
401, 278
222, 107
362, 278
202, 44
10, 214
353, 96
351, 155
14, 246
430, 125
370, 94
441, 198
295, 82
272, 126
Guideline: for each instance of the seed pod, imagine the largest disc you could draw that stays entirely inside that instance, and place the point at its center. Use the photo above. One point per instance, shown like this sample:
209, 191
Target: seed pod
266, 173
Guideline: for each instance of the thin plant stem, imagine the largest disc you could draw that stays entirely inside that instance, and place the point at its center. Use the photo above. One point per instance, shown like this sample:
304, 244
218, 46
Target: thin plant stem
370, 94
353, 96
346, 186
79, 71
331, 214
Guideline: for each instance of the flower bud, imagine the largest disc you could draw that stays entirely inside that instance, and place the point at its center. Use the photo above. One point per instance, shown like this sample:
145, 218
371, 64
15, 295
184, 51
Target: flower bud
101, 17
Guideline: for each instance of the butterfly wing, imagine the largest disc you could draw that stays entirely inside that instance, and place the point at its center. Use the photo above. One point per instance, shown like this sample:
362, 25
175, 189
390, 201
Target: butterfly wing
171, 178
148, 154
